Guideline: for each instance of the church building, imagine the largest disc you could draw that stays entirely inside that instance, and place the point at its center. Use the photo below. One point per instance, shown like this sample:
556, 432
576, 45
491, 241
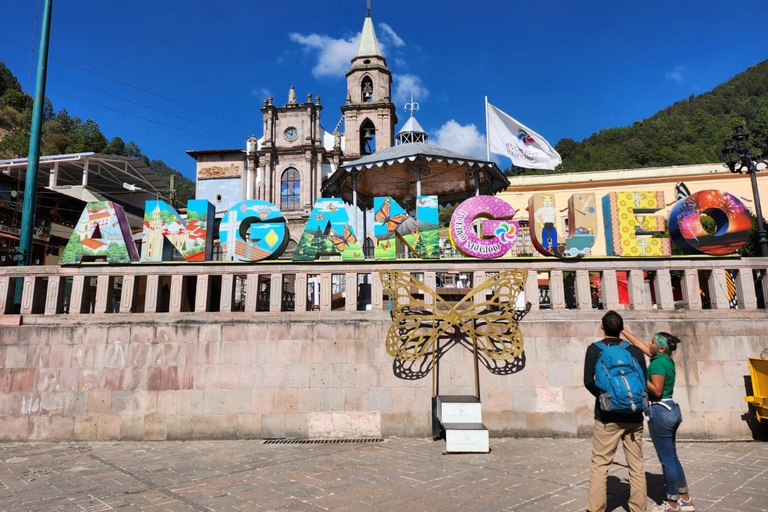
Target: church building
287, 164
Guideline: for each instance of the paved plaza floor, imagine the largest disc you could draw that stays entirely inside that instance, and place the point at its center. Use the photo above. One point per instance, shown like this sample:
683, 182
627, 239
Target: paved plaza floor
394, 475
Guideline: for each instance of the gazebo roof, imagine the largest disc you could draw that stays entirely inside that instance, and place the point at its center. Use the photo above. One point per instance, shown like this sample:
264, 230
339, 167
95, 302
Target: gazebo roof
393, 172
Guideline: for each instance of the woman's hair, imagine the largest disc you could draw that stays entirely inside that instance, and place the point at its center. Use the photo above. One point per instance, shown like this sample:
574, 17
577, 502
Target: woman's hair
666, 341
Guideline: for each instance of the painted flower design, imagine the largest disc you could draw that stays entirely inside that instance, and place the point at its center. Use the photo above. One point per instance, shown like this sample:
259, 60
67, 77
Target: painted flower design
506, 232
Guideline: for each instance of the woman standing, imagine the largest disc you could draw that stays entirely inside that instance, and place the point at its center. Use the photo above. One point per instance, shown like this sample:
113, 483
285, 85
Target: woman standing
664, 416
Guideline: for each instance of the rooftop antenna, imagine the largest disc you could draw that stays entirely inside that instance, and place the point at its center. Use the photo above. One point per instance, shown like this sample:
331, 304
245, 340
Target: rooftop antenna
413, 106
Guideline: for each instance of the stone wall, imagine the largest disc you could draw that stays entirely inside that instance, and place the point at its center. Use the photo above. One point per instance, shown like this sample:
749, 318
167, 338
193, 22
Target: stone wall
217, 375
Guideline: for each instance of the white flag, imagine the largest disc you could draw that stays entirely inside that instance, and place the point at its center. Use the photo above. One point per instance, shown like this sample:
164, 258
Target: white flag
524, 146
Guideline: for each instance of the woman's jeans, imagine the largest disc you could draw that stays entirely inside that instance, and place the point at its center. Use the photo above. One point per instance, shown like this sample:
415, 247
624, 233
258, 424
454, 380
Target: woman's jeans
663, 424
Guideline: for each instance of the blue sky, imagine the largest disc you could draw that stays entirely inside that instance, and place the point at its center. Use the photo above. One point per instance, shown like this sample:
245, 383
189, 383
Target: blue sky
564, 68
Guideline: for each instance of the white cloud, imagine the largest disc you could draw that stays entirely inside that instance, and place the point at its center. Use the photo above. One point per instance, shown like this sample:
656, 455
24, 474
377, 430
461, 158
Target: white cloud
390, 36
464, 139
334, 55
261, 93
676, 75
405, 85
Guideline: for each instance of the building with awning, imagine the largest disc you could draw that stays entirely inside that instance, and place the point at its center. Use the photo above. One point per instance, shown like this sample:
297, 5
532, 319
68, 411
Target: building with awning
66, 183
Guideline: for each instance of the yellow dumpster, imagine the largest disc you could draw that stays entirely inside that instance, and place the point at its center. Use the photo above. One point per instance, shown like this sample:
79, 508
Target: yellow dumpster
758, 368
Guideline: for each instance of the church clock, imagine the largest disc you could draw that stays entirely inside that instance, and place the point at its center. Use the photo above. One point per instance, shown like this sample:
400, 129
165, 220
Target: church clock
291, 134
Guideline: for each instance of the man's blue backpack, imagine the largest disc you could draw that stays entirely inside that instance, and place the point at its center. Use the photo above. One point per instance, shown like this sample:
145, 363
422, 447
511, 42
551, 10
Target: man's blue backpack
620, 377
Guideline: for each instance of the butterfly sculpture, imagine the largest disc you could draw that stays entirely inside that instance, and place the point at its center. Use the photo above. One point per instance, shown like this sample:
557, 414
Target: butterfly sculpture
382, 215
486, 318
319, 216
341, 242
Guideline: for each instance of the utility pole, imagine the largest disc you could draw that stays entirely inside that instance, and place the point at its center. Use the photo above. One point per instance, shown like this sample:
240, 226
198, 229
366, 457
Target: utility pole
173, 191
33, 160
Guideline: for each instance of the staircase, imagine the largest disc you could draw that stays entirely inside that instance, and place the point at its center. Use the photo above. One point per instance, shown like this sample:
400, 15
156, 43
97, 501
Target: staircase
461, 419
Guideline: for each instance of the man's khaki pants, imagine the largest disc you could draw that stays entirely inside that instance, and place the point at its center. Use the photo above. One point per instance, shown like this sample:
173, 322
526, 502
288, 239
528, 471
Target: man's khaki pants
605, 441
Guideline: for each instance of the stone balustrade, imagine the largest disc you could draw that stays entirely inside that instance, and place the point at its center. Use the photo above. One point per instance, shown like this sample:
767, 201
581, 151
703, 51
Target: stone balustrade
698, 283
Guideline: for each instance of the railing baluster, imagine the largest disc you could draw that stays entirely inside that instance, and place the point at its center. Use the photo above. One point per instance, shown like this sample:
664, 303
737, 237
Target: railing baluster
377, 301
532, 289
663, 288
5, 285
691, 289
556, 289
153, 289
102, 293
202, 293
326, 293
227, 293
718, 289
430, 281
610, 290
636, 285
76, 295
583, 291
252, 293
276, 293
128, 294
350, 292
301, 292
745, 289
478, 278
54, 296
28, 295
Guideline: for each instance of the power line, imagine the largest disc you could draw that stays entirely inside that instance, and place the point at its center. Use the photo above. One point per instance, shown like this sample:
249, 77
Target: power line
128, 100
135, 116
126, 84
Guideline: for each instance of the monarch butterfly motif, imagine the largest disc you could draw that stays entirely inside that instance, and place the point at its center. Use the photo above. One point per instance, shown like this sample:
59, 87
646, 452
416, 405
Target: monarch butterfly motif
342, 242
319, 216
356, 255
383, 216
332, 207
424, 202
487, 314
385, 245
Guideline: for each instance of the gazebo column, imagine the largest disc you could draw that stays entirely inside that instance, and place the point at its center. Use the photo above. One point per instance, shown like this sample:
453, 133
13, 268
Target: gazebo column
476, 174
354, 198
418, 180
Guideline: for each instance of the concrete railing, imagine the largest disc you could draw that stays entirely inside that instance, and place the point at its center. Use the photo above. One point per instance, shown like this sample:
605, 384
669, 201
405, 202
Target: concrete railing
664, 284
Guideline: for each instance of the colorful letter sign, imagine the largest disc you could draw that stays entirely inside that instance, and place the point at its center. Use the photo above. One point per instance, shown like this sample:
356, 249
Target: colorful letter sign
582, 225
101, 233
253, 230
164, 228
733, 223
329, 231
630, 214
499, 214
421, 234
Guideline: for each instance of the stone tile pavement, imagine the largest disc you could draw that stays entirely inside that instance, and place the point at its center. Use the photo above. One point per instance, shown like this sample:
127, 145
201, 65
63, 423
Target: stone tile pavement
398, 474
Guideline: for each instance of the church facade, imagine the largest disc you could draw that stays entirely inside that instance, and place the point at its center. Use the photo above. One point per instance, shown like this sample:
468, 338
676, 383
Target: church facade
287, 164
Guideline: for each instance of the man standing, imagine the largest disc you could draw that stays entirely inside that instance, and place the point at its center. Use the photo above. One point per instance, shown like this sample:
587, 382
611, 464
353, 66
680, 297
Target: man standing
612, 426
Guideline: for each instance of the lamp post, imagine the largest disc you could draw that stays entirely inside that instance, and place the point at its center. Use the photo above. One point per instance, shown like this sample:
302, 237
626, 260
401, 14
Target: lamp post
738, 158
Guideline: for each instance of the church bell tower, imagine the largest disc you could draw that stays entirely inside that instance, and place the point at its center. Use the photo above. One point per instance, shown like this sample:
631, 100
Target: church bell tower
369, 114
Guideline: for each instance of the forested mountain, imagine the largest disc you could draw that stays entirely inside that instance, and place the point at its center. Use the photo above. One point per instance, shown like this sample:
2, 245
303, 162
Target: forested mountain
63, 133
691, 131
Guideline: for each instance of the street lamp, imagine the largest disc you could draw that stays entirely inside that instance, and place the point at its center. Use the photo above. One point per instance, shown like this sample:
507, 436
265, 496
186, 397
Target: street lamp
738, 159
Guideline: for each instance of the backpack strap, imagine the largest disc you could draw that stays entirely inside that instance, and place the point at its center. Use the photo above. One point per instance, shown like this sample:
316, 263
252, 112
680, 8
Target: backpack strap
599, 344
624, 344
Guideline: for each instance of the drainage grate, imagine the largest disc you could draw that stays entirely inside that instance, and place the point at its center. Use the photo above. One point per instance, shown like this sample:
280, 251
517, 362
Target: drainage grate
324, 441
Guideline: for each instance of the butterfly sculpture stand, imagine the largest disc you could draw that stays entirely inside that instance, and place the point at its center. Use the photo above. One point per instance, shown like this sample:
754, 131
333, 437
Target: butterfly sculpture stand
485, 321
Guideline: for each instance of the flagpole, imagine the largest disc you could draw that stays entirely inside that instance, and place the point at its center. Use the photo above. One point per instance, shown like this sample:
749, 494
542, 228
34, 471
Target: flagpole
487, 135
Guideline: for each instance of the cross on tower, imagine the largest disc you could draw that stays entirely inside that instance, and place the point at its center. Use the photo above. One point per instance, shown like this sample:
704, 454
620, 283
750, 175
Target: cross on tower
368, 12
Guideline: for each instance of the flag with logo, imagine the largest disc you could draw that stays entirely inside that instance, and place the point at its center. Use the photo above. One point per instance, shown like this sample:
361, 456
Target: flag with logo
526, 148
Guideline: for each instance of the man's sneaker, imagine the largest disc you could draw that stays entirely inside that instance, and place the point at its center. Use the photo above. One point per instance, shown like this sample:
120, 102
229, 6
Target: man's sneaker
664, 507
686, 506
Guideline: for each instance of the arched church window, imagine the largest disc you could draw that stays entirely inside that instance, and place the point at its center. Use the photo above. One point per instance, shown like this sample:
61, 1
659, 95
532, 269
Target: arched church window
290, 190
367, 138
367, 89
